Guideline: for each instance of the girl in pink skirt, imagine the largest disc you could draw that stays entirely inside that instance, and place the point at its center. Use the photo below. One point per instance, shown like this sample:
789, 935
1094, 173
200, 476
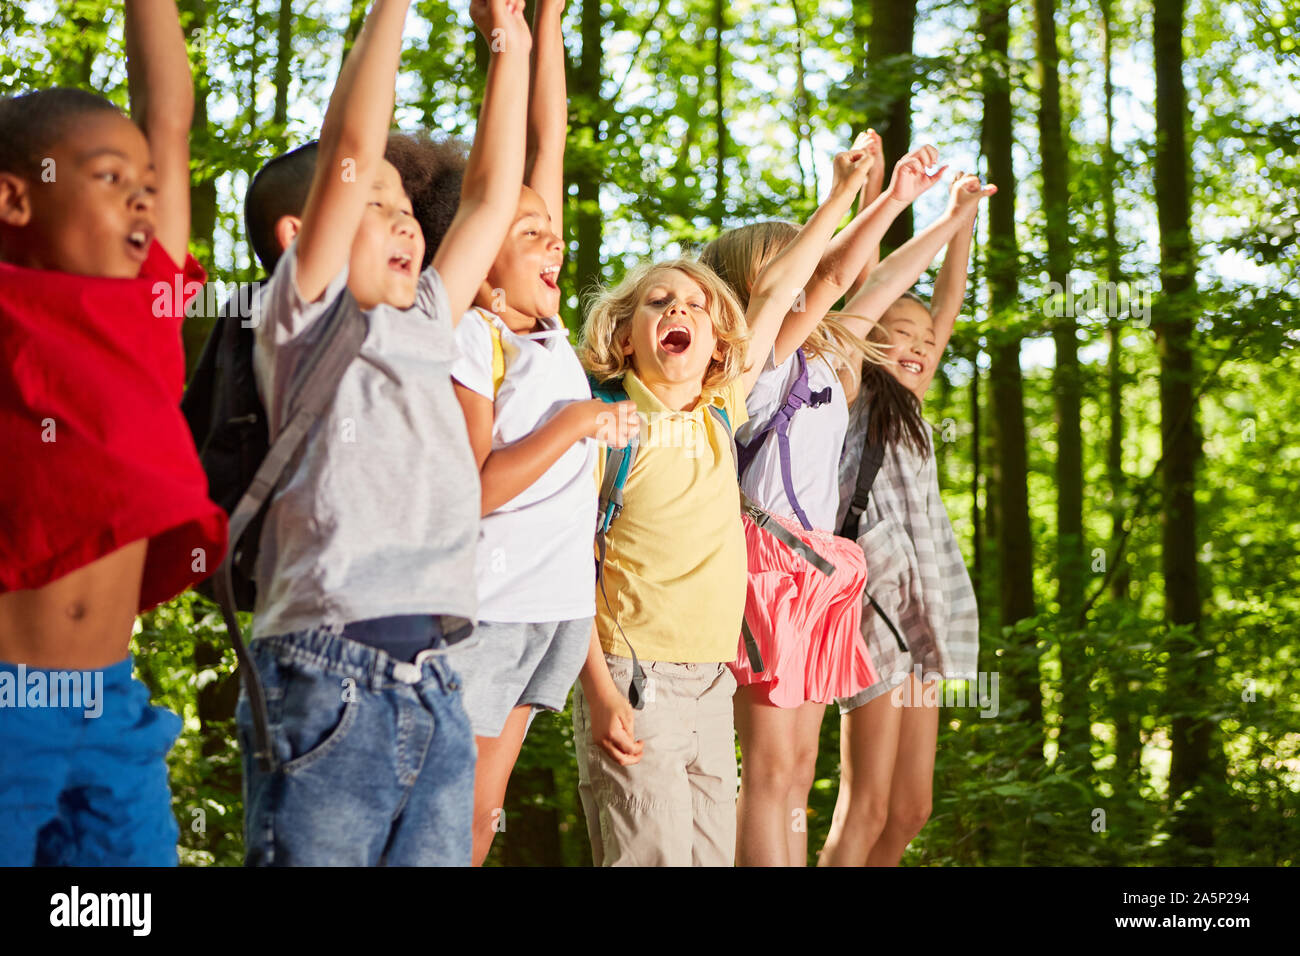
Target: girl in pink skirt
805, 622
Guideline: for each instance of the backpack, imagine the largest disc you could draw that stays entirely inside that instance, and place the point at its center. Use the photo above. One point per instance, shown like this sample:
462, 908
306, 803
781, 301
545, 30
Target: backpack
242, 461
618, 464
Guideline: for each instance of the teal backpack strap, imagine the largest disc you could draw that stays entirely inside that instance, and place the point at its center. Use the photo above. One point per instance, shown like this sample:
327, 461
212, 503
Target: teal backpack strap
618, 464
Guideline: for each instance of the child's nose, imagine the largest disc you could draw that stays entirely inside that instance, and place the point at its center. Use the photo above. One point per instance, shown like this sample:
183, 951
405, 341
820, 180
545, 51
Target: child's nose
140, 200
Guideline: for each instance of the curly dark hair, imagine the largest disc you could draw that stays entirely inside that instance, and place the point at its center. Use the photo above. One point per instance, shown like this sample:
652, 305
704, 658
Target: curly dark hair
33, 122
432, 171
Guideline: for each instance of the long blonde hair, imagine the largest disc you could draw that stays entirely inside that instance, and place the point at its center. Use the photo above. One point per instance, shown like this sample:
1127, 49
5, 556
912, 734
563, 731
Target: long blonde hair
739, 255
610, 312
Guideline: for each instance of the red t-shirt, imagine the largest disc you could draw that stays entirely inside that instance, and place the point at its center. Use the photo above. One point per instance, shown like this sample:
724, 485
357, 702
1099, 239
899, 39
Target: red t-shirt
96, 453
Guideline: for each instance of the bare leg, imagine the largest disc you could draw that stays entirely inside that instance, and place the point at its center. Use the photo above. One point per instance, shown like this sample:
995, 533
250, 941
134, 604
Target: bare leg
496, 759
911, 790
868, 750
808, 725
767, 746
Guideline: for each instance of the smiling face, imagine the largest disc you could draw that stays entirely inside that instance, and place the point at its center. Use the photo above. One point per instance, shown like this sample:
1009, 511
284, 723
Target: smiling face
672, 339
94, 214
527, 267
388, 247
912, 345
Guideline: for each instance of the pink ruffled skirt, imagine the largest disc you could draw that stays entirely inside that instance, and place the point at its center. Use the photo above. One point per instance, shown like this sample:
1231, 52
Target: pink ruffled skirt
807, 625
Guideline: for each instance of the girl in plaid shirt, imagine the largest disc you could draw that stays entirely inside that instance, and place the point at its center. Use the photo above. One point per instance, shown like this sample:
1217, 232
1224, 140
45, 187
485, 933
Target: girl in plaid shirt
916, 574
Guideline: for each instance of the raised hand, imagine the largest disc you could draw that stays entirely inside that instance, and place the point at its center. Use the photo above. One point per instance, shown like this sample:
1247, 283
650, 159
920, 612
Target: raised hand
851, 166
910, 178
502, 24
616, 423
876, 174
966, 193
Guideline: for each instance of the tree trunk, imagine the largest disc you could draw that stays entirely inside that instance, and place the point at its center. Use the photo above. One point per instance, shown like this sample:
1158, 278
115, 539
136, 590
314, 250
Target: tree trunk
586, 167
719, 119
1075, 732
203, 192
1190, 673
283, 61
890, 71
1015, 547
1128, 743
803, 130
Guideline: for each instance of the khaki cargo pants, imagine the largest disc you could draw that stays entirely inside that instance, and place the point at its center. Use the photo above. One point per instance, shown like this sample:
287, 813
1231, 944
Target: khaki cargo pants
677, 806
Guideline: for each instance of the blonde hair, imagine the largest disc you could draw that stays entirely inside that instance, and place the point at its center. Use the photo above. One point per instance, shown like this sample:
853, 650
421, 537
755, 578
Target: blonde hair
609, 320
739, 255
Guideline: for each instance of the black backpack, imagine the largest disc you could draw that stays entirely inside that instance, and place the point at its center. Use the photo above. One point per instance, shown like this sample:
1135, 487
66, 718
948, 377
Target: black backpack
228, 423
241, 461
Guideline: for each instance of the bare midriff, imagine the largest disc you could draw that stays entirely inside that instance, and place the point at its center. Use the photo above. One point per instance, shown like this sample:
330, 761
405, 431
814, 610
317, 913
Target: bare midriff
81, 621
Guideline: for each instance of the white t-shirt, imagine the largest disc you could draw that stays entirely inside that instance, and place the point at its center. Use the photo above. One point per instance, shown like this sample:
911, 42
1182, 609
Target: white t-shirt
535, 560
816, 440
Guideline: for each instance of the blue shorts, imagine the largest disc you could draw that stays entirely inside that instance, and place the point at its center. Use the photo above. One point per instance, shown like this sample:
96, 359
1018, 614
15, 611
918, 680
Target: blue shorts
83, 771
374, 755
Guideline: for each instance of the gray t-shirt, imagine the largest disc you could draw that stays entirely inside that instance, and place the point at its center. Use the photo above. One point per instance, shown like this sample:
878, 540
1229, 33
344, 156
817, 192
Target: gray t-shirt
378, 514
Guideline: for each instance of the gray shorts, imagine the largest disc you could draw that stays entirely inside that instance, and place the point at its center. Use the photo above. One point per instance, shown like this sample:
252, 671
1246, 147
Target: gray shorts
514, 664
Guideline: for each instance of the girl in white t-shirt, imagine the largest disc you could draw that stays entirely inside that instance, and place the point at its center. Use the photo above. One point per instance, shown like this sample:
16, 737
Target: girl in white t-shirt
531, 421
804, 622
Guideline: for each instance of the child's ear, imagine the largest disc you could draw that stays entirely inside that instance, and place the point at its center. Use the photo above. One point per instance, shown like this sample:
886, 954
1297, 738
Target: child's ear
286, 230
15, 201
627, 345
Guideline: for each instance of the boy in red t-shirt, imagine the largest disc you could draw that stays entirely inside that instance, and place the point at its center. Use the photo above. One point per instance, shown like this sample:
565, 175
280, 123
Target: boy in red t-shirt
105, 511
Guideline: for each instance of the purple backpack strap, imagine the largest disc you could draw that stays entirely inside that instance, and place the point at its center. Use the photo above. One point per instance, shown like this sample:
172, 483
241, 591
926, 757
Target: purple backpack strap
798, 396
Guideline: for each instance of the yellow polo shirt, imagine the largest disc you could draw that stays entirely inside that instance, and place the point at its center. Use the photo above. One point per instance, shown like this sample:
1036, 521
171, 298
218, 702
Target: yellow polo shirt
675, 558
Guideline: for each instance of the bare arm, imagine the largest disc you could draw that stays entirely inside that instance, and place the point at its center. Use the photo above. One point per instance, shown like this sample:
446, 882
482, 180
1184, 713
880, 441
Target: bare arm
548, 112
612, 717
896, 274
494, 172
162, 102
844, 259
950, 286
507, 472
353, 137
870, 193
788, 273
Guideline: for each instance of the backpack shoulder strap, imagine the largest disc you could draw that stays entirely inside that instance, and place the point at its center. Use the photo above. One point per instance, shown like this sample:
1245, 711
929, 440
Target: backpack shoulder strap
873, 456
618, 464
312, 396
618, 461
498, 351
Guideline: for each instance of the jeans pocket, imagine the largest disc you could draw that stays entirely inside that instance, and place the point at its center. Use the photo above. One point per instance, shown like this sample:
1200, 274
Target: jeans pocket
316, 712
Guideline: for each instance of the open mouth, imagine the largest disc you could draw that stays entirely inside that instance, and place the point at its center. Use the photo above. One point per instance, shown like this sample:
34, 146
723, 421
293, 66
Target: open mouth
139, 239
402, 262
911, 365
550, 275
675, 339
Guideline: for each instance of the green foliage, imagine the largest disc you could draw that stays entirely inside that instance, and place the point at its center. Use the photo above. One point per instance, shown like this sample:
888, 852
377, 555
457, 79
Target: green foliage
645, 135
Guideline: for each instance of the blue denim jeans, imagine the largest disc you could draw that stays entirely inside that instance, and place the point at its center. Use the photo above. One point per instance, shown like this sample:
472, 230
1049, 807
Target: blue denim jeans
374, 756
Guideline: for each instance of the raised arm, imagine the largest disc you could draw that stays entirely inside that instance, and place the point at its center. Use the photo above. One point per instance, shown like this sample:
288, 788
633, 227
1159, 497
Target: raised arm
353, 137
162, 102
788, 273
908, 181
870, 193
495, 170
950, 286
548, 112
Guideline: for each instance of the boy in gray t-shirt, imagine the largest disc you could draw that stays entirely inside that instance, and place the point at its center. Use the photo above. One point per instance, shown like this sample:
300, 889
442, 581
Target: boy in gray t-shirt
366, 560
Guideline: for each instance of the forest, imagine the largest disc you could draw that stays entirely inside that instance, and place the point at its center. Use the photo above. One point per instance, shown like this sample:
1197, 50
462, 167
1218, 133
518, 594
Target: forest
1110, 419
